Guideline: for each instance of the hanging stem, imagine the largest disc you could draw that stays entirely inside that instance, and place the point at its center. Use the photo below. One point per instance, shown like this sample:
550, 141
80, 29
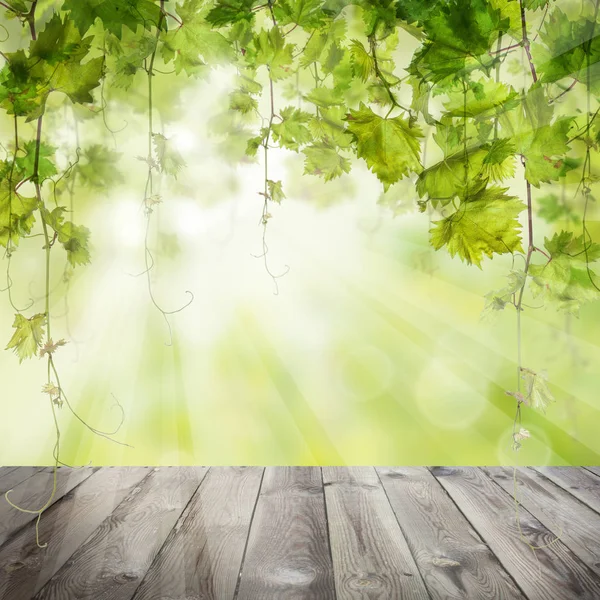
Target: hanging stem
148, 190
386, 84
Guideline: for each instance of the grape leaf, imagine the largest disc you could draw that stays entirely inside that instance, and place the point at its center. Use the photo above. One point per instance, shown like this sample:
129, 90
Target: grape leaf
305, 13
46, 168
16, 214
292, 132
269, 48
28, 335
50, 347
74, 238
193, 39
499, 162
536, 393
564, 281
245, 103
101, 167
168, 157
492, 96
114, 14
363, 64
227, 12
552, 210
275, 191
455, 175
390, 147
484, 224
325, 160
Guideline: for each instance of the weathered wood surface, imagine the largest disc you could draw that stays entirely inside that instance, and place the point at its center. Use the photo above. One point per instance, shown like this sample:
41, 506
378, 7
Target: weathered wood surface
13, 476
553, 572
35, 492
115, 558
579, 482
452, 558
25, 567
202, 557
371, 558
288, 554
292, 533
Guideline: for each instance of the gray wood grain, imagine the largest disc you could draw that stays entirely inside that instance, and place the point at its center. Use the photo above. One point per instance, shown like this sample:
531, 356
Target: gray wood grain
202, 556
25, 568
115, 558
453, 560
371, 558
13, 476
288, 555
577, 481
594, 470
553, 573
33, 493
577, 525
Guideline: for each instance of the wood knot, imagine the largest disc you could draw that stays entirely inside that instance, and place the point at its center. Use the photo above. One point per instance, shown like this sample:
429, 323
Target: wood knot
15, 566
126, 577
442, 471
442, 561
370, 581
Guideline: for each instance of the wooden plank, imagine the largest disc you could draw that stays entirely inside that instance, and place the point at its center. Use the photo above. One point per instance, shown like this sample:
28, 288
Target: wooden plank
553, 573
115, 558
577, 481
203, 554
5, 470
14, 476
594, 470
25, 568
288, 555
33, 493
453, 560
371, 558
577, 525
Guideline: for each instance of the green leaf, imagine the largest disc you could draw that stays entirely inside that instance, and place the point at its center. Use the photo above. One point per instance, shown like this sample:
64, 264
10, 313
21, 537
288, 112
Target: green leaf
28, 335
499, 162
228, 12
363, 64
568, 45
498, 299
485, 102
46, 167
243, 102
485, 224
101, 167
16, 214
552, 210
275, 191
390, 147
168, 157
325, 160
192, 40
292, 132
566, 280
536, 393
269, 48
542, 142
74, 238
114, 14
330, 127
456, 175
305, 13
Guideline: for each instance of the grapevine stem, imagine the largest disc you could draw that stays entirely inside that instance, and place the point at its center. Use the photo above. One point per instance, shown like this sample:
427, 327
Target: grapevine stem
525, 42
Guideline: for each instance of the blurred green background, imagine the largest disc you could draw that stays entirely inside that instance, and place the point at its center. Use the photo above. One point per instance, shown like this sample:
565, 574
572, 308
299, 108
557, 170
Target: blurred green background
373, 352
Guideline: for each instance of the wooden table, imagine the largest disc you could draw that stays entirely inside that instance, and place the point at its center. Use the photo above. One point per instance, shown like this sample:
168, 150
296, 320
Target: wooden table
282, 533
